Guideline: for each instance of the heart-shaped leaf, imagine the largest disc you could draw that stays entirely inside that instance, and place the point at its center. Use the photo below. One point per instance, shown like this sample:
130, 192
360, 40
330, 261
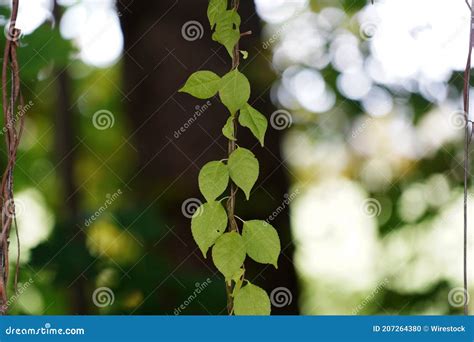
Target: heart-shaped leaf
208, 224
234, 91
262, 242
229, 254
255, 121
215, 10
243, 169
252, 300
213, 180
202, 84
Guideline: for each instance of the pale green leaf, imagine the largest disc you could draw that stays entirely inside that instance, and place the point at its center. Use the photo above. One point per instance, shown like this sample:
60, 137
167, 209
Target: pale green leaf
229, 254
228, 129
252, 300
245, 54
255, 121
243, 169
238, 279
262, 242
213, 180
202, 84
237, 276
208, 224
215, 10
234, 91
228, 30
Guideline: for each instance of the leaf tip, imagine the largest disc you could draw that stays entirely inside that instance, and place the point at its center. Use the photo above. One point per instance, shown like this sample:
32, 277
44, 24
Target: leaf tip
204, 252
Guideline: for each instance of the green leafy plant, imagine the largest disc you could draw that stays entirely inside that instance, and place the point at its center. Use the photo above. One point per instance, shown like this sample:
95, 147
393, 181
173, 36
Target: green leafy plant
214, 225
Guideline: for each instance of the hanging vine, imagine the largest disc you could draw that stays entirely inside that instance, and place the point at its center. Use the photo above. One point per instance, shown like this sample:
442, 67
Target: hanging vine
213, 225
467, 142
14, 128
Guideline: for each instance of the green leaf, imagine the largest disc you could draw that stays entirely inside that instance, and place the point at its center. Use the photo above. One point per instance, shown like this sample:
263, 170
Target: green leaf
202, 85
238, 279
213, 180
234, 91
215, 10
251, 300
243, 169
228, 129
238, 275
228, 30
262, 242
208, 224
255, 121
229, 254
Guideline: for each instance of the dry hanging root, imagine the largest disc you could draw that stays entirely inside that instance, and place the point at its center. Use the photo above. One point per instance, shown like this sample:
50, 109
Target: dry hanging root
467, 142
13, 128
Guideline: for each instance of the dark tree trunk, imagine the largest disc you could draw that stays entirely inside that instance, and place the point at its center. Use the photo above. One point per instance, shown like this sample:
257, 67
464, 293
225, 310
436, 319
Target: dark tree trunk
65, 140
157, 62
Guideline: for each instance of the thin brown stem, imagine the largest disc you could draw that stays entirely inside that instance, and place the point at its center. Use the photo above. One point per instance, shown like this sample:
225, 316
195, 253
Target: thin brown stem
231, 147
11, 98
467, 136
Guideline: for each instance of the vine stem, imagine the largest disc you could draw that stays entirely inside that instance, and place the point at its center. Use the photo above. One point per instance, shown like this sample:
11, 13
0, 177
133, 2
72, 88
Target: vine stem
231, 147
467, 136
12, 139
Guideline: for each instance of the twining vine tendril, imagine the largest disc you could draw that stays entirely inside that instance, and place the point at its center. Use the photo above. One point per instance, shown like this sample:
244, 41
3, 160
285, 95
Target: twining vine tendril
467, 142
14, 124
233, 227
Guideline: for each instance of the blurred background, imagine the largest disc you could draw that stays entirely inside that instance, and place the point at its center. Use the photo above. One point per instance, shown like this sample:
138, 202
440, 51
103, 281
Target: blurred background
361, 173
